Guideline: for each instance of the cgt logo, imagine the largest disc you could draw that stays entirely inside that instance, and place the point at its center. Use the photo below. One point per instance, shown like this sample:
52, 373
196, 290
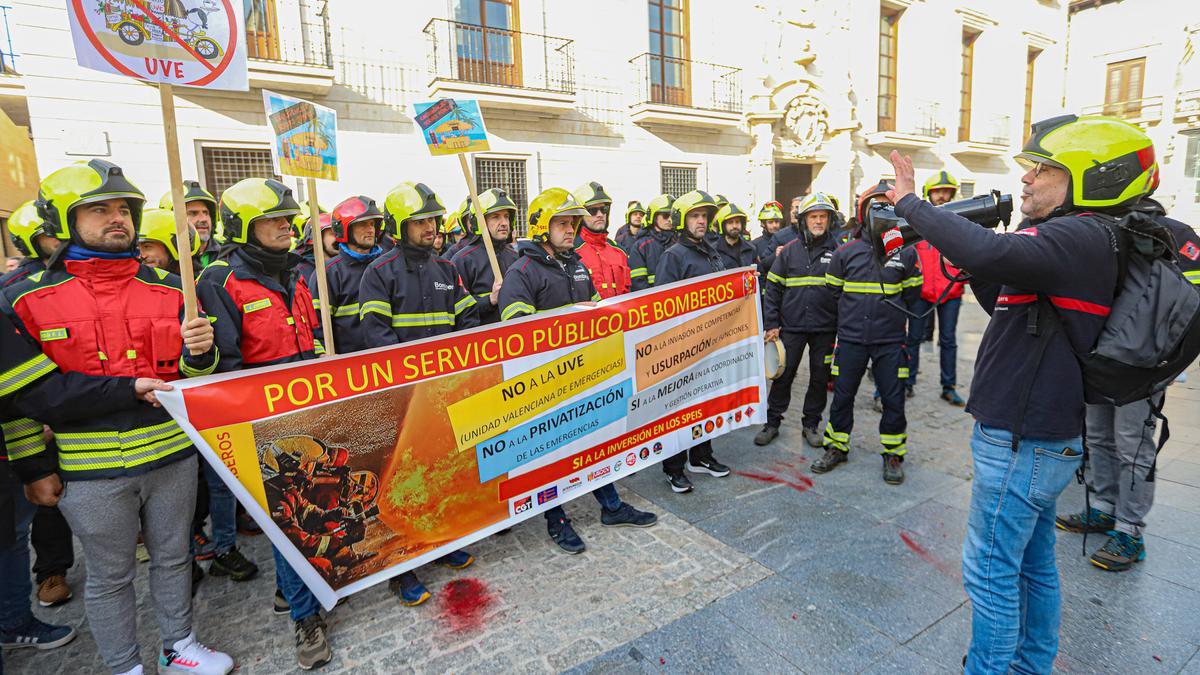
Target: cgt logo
599, 473
522, 505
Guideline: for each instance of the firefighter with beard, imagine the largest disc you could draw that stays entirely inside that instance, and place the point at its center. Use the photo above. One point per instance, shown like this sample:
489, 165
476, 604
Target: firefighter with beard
691, 257
730, 228
407, 294
357, 225
635, 217
472, 262
264, 316
652, 242
606, 262
800, 309
549, 275
203, 216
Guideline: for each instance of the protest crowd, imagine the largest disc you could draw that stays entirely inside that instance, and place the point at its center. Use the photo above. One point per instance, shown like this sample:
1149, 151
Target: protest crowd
93, 328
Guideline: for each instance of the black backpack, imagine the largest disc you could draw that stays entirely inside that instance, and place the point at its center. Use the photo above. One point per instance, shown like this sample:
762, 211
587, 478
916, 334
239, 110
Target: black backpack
1153, 331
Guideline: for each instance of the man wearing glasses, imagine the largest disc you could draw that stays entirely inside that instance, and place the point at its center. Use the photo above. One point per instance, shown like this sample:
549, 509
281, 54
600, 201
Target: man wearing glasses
607, 262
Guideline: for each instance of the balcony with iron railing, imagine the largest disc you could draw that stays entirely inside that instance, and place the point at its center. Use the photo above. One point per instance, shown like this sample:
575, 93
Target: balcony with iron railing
503, 69
1187, 107
916, 127
1140, 111
680, 92
288, 44
8, 58
990, 135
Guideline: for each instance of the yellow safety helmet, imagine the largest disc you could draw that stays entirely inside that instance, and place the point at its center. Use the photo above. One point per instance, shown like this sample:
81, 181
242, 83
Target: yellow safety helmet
817, 201
250, 199
24, 224
660, 204
194, 192
725, 213
770, 211
492, 200
409, 201
549, 204
591, 194
1111, 162
939, 180
634, 207
696, 199
159, 225
721, 200
84, 183
290, 453
364, 487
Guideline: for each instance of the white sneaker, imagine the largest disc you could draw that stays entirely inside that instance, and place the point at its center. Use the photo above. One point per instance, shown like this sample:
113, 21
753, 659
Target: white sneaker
189, 656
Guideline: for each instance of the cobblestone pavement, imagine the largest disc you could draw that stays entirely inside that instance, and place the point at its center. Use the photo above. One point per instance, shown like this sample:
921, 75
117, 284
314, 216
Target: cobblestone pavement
770, 570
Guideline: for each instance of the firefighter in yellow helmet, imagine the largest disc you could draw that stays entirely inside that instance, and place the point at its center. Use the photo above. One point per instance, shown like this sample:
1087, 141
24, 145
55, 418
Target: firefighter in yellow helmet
25, 231
549, 275
606, 262
635, 217
770, 220
691, 256
474, 266
157, 242
203, 215
652, 241
1029, 410
940, 188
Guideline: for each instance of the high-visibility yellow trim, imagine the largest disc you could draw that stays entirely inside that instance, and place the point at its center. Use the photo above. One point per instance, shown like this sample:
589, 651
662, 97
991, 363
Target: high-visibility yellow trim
796, 281
836, 439
913, 282
25, 447
872, 288
13, 379
346, 310
20, 427
902, 373
376, 307
464, 304
425, 319
188, 371
834, 281
291, 321
828, 359
318, 348
102, 355
517, 309
52, 334
262, 303
892, 438
1193, 276
638, 272
131, 354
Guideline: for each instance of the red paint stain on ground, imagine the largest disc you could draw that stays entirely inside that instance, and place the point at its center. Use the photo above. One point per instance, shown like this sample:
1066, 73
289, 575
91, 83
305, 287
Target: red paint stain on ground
464, 602
662, 661
796, 481
924, 554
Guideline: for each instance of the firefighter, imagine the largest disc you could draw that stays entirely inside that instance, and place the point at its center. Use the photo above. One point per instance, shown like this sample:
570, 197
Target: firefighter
264, 316
870, 328
304, 244
408, 294
203, 216
691, 256
800, 309
770, 219
472, 262
357, 226
939, 189
651, 242
730, 227
607, 263
129, 470
27, 236
635, 216
157, 243
454, 224
549, 275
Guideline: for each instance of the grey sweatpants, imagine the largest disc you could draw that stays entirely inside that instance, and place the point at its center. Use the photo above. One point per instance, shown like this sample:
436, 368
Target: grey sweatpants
107, 515
1121, 447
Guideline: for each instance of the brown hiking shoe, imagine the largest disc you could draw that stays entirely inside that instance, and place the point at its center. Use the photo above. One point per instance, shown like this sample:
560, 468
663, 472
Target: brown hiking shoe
53, 591
832, 458
312, 647
893, 470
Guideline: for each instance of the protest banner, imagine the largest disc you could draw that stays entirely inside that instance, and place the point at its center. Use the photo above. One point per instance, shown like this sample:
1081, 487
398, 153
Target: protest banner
455, 127
410, 452
305, 146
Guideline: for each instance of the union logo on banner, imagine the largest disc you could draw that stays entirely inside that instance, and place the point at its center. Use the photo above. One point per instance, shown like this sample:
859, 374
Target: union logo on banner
1190, 251
191, 43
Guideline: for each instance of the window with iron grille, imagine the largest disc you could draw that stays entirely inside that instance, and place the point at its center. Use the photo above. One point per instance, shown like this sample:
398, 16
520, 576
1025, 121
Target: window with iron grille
678, 180
225, 166
508, 175
966, 189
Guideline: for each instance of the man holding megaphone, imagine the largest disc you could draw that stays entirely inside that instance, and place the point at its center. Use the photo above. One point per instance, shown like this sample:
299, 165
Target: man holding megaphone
1027, 396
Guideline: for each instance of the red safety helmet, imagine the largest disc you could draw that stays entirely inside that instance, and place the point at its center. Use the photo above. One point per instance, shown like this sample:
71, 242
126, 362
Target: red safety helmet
354, 210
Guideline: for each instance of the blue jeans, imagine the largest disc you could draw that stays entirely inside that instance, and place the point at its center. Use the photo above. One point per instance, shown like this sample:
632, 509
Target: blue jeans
947, 324
222, 508
1008, 554
303, 603
606, 495
15, 584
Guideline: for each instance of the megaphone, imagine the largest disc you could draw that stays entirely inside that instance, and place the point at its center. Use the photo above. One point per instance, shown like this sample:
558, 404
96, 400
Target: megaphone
888, 233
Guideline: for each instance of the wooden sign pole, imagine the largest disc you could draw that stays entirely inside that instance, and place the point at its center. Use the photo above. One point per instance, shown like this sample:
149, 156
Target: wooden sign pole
182, 231
314, 224
484, 233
